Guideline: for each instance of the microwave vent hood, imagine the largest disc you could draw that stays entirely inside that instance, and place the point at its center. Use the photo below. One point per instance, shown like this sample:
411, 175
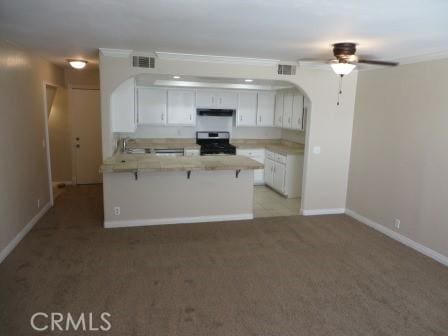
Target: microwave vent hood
215, 112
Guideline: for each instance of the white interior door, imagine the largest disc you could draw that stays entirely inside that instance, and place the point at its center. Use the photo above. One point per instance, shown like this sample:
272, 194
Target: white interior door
86, 134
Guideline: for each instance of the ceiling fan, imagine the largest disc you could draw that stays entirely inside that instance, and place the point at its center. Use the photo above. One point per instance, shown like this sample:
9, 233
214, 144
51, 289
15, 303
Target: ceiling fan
346, 60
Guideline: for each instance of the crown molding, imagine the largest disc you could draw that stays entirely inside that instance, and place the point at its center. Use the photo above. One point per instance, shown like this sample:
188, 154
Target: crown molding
123, 53
216, 59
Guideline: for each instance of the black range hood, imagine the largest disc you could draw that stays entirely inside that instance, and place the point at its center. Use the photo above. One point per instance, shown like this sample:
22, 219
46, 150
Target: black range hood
215, 112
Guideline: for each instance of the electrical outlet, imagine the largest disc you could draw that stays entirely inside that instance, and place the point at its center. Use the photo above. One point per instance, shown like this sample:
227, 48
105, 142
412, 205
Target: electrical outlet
38, 203
117, 211
397, 223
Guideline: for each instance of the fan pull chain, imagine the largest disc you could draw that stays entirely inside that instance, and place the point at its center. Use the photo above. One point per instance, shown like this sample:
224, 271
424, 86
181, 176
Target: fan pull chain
339, 90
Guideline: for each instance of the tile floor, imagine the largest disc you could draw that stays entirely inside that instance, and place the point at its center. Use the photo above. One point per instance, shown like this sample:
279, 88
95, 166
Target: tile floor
267, 203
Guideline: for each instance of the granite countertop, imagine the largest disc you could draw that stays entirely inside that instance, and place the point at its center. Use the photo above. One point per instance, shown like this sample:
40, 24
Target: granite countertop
150, 162
162, 143
274, 145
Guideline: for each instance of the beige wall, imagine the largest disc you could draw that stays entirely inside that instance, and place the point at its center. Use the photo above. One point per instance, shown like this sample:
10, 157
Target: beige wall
329, 126
23, 164
399, 160
88, 77
59, 133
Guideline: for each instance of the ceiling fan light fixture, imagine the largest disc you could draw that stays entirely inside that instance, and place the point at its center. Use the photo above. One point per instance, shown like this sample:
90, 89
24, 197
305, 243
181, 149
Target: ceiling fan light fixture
342, 69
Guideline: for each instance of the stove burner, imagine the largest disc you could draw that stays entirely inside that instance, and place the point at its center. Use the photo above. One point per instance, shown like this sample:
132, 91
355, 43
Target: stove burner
215, 143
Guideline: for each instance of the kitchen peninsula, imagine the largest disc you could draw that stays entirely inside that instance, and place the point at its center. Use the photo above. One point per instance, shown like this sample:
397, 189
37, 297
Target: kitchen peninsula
146, 189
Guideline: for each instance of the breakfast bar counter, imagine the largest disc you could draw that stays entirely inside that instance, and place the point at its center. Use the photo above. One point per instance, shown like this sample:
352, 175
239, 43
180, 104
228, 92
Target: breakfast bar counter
146, 189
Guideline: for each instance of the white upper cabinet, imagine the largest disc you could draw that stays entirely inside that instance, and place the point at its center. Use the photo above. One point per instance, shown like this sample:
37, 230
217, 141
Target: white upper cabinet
122, 105
247, 109
278, 113
216, 99
297, 112
287, 110
181, 108
152, 106
227, 99
265, 109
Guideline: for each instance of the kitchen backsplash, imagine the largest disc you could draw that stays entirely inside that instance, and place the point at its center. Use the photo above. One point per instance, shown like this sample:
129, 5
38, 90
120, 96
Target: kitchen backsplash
293, 136
207, 124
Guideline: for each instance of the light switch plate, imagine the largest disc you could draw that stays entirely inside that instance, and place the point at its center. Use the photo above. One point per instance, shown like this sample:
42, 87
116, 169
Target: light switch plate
316, 149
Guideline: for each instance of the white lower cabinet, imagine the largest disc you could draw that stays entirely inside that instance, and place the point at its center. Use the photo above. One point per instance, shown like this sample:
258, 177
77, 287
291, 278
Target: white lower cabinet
279, 177
257, 155
283, 173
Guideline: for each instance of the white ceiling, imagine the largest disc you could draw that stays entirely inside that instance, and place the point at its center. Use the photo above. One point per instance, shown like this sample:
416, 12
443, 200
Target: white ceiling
280, 29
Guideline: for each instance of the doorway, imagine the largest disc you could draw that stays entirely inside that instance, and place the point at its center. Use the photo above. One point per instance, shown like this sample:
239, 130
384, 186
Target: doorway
86, 134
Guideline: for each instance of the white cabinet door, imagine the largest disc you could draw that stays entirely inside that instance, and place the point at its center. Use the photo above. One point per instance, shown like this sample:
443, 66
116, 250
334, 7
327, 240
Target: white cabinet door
122, 105
247, 109
205, 99
151, 104
297, 112
226, 99
216, 99
181, 107
279, 177
269, 172
278, 112
265, 109
287, 110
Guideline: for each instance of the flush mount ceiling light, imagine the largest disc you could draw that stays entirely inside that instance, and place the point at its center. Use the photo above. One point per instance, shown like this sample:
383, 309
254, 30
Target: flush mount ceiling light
342, 69
77, 64
248, 80
176, 77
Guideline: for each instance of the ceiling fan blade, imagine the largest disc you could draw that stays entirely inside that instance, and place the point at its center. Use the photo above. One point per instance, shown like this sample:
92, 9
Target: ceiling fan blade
386, 63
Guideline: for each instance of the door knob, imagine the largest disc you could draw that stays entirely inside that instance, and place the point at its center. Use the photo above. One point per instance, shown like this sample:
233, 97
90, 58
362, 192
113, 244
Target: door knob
77, 146
77, 138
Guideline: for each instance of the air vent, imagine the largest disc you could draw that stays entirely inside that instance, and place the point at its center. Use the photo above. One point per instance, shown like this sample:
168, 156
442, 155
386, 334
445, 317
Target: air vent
286, 69
143, 62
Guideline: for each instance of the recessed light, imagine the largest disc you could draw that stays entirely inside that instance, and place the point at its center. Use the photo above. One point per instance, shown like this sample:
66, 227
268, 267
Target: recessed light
249, 80
176, 77
77, 64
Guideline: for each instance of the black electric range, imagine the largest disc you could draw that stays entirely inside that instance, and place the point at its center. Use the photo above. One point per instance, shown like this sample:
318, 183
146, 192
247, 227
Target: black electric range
215, 143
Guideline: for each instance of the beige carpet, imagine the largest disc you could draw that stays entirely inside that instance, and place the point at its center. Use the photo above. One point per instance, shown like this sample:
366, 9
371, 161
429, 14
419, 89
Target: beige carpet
327, 275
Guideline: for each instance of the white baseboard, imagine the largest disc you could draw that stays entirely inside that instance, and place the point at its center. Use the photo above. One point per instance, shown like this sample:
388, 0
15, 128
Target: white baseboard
13, 243
315, 212
177, 220
399, 237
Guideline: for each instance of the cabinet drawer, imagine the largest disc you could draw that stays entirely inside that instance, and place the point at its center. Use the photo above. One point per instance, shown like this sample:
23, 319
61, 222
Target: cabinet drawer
251, 152
270, 155
191, 152
280, 158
